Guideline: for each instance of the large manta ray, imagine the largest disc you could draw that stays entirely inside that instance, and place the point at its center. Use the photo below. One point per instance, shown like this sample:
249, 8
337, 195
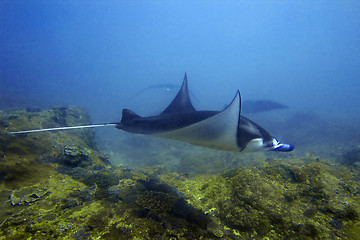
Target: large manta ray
223, 130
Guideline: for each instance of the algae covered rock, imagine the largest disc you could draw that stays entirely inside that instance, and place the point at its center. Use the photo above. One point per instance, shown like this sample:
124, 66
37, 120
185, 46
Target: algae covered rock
57, 185
28, 163
21, 154
74, 157
277, 200
270, 201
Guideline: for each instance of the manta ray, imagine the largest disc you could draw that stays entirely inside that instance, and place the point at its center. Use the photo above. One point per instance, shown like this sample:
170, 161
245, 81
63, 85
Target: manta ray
258, 106
225, 130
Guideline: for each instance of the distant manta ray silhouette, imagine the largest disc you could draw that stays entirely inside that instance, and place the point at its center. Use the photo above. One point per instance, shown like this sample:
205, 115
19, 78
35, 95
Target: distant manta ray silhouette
224, 130
257, 106
166, 87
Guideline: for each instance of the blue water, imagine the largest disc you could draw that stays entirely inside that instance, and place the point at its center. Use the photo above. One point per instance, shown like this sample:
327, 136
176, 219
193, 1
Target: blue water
99, 54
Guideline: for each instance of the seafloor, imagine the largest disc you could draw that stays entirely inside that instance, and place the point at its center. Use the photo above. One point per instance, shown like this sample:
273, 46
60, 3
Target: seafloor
57, 185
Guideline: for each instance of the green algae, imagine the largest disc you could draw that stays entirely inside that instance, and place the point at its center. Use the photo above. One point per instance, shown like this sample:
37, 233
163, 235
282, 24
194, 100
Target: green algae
271, 201
59, 186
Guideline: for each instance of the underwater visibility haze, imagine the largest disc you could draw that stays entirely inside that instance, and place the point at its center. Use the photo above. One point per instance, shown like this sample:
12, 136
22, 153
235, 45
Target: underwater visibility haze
296, 65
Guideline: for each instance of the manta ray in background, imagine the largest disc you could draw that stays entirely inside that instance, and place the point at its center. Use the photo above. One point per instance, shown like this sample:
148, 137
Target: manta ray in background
224, 130
257, 106
165, 87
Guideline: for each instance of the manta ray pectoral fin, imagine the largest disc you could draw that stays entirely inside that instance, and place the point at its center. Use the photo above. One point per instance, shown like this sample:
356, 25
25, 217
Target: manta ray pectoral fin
218, 131
181, 102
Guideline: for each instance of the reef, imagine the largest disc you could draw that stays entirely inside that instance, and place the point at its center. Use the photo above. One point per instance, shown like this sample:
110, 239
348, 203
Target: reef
58, 185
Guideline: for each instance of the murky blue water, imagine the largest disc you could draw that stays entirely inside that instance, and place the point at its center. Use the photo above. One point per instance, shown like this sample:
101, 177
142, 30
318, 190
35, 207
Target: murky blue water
99, 55
109, 55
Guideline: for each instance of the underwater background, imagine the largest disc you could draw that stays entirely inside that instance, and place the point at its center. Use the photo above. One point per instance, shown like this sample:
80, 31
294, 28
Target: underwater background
65, 63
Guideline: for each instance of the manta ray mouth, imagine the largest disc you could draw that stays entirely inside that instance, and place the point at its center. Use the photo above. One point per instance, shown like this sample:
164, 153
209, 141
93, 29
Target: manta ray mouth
281, 147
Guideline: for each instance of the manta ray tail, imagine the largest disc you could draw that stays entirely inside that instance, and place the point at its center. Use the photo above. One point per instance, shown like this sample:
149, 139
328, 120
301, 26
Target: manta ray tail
60, 128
